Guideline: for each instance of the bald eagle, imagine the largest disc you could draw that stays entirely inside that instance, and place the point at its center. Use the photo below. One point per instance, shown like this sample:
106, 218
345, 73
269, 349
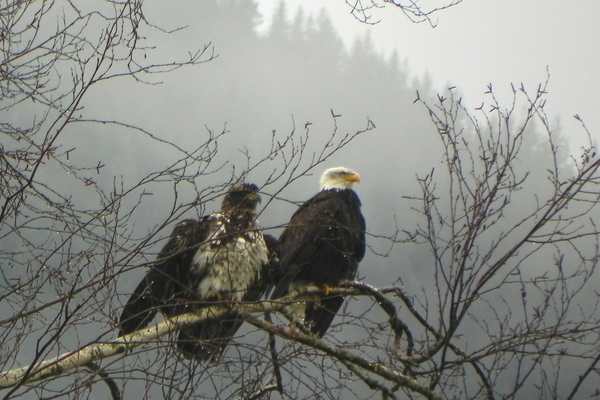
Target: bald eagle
323, 245
221, 258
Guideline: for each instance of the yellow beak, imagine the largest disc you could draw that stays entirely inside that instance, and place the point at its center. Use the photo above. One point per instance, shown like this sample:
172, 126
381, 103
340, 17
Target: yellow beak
355, 178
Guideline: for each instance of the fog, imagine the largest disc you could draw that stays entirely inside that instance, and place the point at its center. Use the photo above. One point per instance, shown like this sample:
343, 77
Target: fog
297, 77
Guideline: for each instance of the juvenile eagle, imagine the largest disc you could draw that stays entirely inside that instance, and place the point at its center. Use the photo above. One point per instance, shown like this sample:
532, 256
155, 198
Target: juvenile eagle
221, 258
322, 245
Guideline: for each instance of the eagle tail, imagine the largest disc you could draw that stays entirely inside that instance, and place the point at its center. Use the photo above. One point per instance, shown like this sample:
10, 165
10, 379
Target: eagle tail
207, 340
320, 314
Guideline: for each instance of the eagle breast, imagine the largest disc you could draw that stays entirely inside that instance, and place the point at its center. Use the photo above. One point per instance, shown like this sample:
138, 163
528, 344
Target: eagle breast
229, 261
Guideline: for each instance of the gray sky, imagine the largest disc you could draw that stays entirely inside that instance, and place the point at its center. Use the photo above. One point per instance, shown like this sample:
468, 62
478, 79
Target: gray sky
483, 41
288, 76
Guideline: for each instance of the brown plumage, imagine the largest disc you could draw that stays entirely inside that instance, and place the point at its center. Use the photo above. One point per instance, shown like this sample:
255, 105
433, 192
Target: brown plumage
323, 245
221, 258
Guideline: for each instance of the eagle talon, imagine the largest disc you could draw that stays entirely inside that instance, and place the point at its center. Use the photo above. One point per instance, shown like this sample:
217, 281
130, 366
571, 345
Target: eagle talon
222, 300
326, 290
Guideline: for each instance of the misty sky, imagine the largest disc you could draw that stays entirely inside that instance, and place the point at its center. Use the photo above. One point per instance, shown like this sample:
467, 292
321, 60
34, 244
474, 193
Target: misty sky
296, 69
486, 41
283, 68
291, 66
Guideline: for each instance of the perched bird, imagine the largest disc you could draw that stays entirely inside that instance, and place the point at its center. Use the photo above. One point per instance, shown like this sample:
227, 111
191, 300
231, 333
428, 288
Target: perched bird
323, 245
222, 258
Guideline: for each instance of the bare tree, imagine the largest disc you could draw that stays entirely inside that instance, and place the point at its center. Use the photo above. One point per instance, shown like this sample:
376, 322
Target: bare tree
514, 253
507, 226
61, 230
67, 226
416, 11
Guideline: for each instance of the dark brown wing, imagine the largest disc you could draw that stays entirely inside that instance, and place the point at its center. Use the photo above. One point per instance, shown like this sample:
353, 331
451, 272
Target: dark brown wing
166, 284
322, 245
272, 271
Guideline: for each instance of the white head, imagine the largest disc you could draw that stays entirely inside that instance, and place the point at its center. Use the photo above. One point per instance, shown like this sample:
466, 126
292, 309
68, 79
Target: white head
339, 178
